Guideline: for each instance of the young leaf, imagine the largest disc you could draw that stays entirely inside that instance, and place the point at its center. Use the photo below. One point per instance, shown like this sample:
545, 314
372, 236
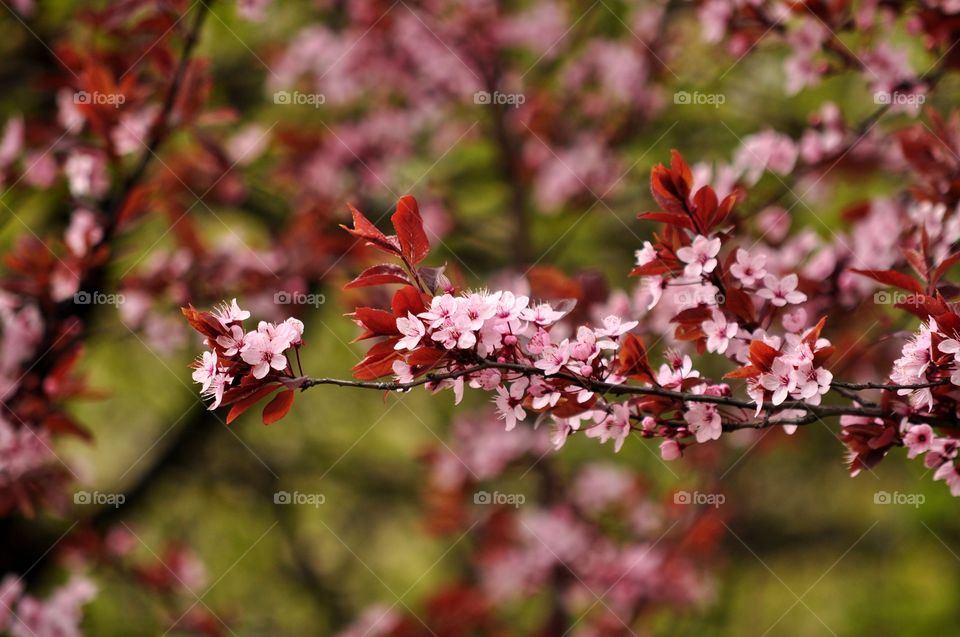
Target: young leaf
414, 244
278, 407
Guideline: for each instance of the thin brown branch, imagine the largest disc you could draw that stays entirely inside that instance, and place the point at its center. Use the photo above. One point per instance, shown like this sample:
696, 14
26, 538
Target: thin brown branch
814, 412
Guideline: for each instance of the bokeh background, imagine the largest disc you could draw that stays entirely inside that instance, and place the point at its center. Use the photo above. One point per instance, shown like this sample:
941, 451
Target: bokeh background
554, 184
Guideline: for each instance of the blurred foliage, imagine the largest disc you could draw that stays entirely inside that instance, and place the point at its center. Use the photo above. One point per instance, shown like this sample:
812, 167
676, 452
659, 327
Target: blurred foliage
807, 552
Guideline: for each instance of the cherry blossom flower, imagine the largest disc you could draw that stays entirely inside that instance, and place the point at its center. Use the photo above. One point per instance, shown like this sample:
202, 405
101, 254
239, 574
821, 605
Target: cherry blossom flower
700, 256
780, 380
542, 314
412, 329
911, 367
442, 310
918, 439
615, 426
780, 292
670, 450
206, 370
749, 268
233, 342
264, 353
614, 326
812, 382
554, 358
510, 402
646, 255
228, 314
703, 420
718, 332
950, 473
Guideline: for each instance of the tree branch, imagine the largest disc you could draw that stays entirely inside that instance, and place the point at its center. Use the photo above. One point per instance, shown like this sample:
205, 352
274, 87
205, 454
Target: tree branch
814, 412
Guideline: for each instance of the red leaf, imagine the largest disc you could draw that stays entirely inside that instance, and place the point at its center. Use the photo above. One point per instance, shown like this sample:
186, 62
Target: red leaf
278, 407
705, 206
407, 299
739, 302
414, 244
894, 278
204, 322
246, 403
379, 275
377, 322
379, 360
945, 265
814, 333
723, 210
762, 355
682, 175
661, 186
747, 371
633, 360
371, 234
696, 315
924, 306
650, 269
673, 218
916, 261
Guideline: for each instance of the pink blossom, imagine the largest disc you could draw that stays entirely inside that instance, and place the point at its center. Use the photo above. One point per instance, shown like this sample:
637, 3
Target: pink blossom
647, 254
918, 439
670, 450
263, 353
412, 329
703, 420
442, 310
614, 326
510, 402
749, 268
456, 333
795, 320
950, 473
232, 343
781, 380
718, 331
585, 348
768, 150
615, 426
206, 370
227, 314
542, 314
700, 256
83, 232
782, 291
402, 371
86, 173
554, 357
813, 382
672, 374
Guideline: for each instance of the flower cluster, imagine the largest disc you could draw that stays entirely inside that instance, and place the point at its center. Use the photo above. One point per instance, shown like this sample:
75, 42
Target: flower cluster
242, 364
22, 615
